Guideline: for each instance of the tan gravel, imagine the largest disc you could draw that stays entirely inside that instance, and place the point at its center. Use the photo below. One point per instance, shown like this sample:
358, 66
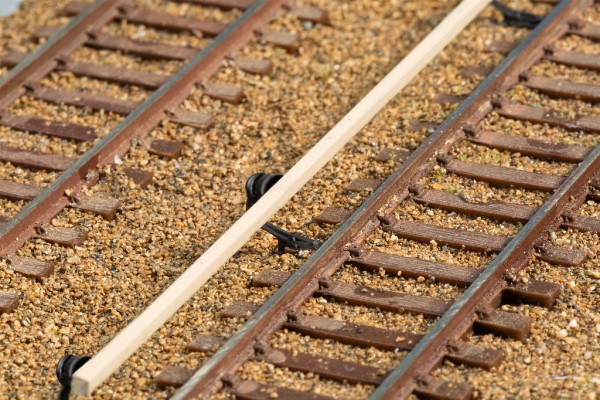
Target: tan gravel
159, 231
568, 335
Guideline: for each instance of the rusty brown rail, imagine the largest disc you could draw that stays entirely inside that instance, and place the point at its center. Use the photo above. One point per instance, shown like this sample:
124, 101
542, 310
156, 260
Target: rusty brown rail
444, 341
164, 103
161, 104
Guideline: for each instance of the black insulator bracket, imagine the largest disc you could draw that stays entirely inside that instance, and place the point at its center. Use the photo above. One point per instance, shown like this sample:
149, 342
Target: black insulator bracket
517, 19
256, 186
65, 368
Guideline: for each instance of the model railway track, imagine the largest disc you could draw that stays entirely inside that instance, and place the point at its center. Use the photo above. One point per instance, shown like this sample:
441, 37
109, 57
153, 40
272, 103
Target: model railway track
163, 104
478, 309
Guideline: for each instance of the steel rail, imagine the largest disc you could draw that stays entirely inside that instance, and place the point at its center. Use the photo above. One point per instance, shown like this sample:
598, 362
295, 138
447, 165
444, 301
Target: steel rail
459, 319
44, 59
325, 261
141, 121
31, 69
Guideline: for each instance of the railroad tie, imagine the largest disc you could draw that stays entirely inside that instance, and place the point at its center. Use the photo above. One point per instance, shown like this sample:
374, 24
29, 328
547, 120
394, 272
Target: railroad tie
64, 130
82, 99
191, 118
256, 66
501, 46
303, 13
397, 265
420, 125
139, 176
173, 376
8, 301
333, 215
250, 390
139, 48
541, 115
360, 185
397, 155
164, 148
383, 299
477, 241
585, 29
498, 210
205, 342
560, 255
19, 191
562, 87
223, 91
475, 71
239, 309
171, 22
435, 388
61, 235
326, 367
533, 291
309, 13
581, 223
448, 99
501, 176
12, 58
285, 40
224, 4
31, 267
573, 58
117, 75
34, 159
502, 323
100, 204
527, 146
156, 20
105, 206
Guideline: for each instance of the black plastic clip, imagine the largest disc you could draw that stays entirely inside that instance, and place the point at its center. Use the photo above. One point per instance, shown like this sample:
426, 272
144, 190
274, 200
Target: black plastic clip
65, 369
256, 186
517, 19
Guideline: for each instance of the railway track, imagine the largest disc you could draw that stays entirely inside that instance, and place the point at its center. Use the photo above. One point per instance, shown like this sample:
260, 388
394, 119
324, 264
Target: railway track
325, 281
164, 104
478, 307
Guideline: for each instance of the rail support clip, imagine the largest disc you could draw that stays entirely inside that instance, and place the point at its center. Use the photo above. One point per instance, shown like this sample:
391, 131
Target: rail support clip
256, 186
65, 368
518, 19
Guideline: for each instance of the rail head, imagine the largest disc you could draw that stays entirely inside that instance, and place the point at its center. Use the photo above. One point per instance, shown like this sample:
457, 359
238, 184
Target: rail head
457, 320
139, 122
147, 115
43, 59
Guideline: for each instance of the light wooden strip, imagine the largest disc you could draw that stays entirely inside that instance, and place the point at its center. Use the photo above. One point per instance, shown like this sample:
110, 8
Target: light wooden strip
110, 358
